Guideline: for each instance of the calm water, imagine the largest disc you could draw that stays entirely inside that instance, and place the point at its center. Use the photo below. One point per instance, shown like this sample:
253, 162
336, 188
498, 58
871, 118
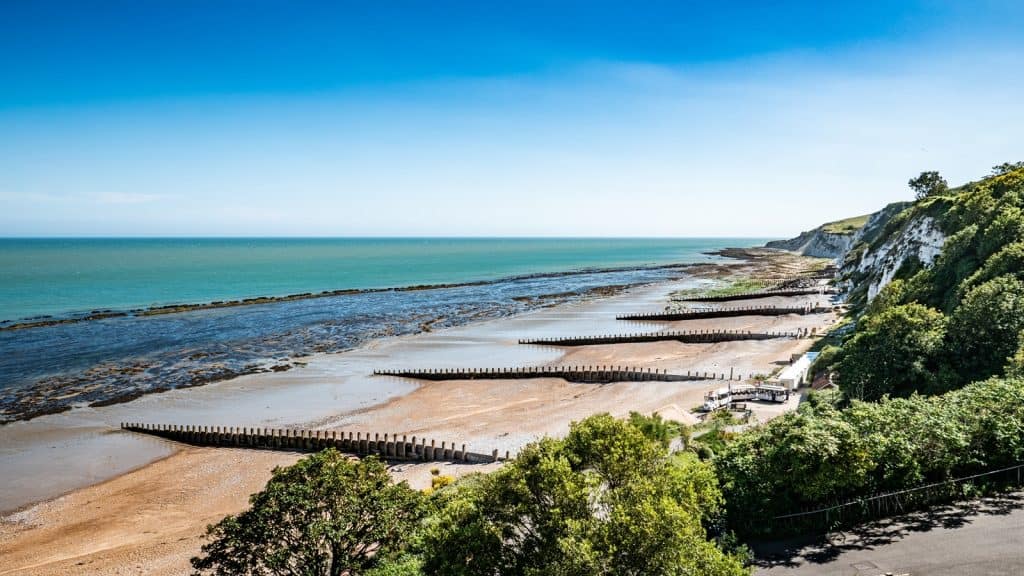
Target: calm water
58, 277
60, 366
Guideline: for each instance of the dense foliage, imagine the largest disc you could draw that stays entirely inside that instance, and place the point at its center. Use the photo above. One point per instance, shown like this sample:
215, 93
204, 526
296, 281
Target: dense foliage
607, 499
821, 455
985, 329
936, 328
326, 515
894, 352
610, 498
657, 428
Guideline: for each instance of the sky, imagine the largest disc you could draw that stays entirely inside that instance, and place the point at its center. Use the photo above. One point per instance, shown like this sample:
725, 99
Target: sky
284, 118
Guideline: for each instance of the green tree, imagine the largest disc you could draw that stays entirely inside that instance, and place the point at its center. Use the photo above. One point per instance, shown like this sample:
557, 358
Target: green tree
894, 352
657, 428
325, 515
1006, 167
893, 294
1008, 260
1016, 366
605, 500
910, 441
984, 330
991, 414
928, 184
792, 462
401, 565
820, 455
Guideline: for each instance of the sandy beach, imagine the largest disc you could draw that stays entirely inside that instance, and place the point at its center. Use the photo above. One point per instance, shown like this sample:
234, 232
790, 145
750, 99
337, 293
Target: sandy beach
148, 514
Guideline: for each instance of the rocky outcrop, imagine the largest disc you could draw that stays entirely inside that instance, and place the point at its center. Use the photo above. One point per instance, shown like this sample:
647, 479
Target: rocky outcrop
817, 243
836, 239
873, 253
917, 243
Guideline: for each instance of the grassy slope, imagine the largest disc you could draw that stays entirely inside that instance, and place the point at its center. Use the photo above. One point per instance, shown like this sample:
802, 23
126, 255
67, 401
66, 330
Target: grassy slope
846, 226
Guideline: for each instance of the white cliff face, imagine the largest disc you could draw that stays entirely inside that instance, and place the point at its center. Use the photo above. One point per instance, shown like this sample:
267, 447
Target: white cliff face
828, 245
921, 238
817, 243
822, 244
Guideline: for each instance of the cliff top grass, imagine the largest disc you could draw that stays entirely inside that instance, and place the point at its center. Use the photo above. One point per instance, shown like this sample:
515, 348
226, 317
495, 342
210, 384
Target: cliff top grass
847, 226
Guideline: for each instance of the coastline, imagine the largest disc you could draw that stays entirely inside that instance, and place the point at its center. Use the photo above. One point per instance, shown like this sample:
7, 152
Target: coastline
483, 414
177, 308
305, 396
120, 359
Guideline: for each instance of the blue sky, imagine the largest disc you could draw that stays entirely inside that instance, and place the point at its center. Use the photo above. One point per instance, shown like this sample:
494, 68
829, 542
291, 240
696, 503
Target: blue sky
479, 118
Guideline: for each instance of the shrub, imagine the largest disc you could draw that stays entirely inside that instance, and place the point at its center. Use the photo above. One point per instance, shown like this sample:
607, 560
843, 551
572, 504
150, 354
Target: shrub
326, 514
894, 352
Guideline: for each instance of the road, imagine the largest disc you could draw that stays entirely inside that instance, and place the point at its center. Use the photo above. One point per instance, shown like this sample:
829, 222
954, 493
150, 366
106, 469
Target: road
983, 537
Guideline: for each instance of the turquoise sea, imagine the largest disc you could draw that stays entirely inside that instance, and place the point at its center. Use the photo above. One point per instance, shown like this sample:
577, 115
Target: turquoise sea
56, 366
57, 277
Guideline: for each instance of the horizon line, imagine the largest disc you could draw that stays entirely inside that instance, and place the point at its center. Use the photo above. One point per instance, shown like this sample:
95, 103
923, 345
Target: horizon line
376, 237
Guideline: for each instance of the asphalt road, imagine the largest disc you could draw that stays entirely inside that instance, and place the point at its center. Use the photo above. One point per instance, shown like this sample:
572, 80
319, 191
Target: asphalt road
983, 537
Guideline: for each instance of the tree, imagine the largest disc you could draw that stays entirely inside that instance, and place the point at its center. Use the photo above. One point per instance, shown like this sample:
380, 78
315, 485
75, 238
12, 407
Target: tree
1008, 260
984, 330
657, 428
605, 500
1016, 366
790, 463
819, 455
325, 515
1006, 167
894, 352
928, 184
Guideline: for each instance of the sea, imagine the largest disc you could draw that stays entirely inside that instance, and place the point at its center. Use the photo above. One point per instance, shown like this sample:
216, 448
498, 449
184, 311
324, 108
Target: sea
92, 345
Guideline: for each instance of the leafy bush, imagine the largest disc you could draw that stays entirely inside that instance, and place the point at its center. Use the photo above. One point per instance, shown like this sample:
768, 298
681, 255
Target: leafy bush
895, 352
658, 429
984, 331
820, 456
605, 500
326, 514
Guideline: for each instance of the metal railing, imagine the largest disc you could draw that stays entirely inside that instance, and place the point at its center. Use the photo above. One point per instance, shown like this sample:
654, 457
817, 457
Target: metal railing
893, 503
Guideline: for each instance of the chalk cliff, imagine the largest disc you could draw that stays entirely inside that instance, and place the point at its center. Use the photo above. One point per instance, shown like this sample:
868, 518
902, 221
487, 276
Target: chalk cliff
872, 249
836, 239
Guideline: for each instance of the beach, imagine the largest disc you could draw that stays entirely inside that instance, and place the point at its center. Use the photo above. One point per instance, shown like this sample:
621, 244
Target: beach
148, 516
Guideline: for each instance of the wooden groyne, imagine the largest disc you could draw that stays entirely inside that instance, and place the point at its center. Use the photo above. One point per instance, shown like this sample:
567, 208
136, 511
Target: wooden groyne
760, 294
578, 374
297, 440
704, 313
690, 337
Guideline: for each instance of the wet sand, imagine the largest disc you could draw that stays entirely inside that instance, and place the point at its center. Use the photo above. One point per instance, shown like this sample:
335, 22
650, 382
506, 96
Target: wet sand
150, 520
53, 454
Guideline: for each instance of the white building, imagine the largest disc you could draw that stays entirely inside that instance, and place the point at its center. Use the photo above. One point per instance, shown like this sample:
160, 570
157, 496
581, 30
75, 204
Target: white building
796, 374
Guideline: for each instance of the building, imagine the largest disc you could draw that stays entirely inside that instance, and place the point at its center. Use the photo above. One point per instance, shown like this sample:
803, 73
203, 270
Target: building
796, 374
